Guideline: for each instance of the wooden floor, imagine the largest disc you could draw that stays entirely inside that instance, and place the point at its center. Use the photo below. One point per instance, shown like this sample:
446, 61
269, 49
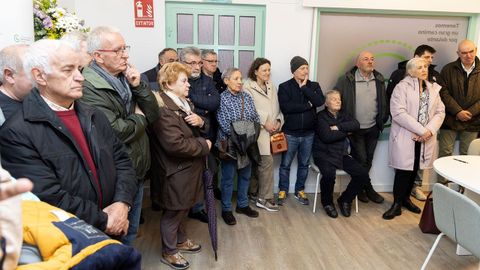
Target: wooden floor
295, 238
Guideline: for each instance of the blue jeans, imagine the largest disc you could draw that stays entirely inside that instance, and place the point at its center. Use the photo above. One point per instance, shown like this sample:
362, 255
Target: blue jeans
302, 146
134, 216
229, 167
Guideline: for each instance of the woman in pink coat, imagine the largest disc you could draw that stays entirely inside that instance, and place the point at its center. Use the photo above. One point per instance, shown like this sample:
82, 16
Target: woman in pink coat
417, 114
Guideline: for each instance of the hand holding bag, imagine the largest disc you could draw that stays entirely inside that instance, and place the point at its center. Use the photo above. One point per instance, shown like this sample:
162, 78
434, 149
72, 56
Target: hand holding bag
278, 143
427, 221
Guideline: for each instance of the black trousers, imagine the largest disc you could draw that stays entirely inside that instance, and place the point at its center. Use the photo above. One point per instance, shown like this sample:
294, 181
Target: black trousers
404, 180
364, 143
357, 172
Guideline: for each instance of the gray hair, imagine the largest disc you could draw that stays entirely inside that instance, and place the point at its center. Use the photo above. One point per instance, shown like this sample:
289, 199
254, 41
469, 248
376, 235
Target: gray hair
96, 37
76, 38
206, 52
189, 50
10, 59
332, 92
412, 64
227, 73
39, 55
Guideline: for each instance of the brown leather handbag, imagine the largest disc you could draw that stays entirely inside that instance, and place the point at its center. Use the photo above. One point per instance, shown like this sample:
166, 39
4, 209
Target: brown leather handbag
278, 143
427, 221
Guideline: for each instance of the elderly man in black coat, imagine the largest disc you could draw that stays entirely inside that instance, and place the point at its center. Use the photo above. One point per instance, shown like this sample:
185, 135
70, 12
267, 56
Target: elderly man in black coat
331, 152
68, 149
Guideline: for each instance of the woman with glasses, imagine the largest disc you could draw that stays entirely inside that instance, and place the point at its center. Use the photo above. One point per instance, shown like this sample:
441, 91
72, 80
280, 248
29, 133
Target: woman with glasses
181, 151
265, 97
417, 114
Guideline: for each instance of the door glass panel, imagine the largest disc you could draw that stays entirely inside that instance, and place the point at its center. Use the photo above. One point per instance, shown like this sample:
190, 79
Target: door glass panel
247, 31
205, 29
245, 59
226, 30
185, 28
225, 59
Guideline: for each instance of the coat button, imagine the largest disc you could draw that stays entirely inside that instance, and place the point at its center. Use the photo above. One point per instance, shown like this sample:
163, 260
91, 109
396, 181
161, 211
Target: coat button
179, 167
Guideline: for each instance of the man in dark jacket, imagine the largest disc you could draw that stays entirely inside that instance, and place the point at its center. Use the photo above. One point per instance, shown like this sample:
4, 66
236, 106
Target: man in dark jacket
114, 86
364, 98
206, 99
167, 55
423, 51
67, 148
330, 152
298, 99
461, 95
426, 52
210, 68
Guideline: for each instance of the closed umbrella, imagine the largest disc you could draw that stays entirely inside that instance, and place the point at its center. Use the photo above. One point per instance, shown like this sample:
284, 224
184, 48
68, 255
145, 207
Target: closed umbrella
210, 206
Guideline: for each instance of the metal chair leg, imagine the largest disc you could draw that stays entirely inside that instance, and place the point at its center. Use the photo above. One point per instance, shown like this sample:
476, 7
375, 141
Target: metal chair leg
432, 250
316, 193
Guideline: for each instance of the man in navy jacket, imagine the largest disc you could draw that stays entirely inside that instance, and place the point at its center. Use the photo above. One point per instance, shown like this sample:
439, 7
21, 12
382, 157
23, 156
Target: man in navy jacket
298, 98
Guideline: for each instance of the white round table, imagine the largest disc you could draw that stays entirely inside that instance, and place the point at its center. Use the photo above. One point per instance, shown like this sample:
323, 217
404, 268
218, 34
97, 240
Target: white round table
463, 170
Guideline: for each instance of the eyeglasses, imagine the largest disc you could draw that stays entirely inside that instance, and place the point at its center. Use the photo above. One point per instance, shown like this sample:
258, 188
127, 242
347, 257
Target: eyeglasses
194, 63
120, 51
211, 61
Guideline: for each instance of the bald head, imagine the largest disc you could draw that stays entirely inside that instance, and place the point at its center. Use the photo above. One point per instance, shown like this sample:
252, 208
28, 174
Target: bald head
467, 52
365, 63
15, 82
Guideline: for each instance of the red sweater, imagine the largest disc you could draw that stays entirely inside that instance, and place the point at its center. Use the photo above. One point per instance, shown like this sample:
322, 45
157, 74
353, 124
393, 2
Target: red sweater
70, 119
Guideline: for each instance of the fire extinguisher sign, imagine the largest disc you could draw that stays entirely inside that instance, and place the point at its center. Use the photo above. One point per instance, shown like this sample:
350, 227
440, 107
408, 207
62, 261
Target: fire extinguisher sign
143, 13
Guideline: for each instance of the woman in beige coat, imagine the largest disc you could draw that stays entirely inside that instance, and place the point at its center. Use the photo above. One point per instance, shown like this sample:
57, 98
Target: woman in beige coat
417, 114
264, 94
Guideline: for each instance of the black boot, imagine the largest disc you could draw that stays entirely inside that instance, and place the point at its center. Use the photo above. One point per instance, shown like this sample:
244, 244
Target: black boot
407, 203
395, 210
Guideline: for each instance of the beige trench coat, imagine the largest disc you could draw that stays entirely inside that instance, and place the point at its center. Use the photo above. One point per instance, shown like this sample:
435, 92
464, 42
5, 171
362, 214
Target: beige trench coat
267, 109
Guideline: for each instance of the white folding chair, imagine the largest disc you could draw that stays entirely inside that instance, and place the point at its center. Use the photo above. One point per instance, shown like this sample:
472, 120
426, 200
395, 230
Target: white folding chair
338, 173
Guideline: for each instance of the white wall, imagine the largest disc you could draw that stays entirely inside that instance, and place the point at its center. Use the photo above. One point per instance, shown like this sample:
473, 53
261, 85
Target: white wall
288, 33
16, 22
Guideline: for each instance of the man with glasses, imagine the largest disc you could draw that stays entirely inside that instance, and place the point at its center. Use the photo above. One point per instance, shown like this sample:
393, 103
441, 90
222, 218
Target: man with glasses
206, 99
210, 68
113, 85
461, 95
167, 55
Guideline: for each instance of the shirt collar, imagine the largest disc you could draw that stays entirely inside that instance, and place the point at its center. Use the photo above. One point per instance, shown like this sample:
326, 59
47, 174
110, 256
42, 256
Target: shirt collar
56, 107
468, 71
359, 77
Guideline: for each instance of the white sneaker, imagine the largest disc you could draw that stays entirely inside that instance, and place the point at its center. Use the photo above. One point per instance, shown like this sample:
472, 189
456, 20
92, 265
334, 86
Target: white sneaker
418, 194
268, 205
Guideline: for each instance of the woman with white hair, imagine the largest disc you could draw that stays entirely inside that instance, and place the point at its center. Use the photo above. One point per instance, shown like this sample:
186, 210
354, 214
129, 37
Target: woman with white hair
417, 114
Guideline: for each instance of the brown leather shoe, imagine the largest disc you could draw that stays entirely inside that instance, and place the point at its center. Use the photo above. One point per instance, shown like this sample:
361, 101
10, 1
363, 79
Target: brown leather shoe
175, 261
189, 247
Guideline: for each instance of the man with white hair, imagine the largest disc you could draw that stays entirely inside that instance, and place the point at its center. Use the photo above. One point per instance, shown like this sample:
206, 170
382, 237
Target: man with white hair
15, 83
113, 85
68, 148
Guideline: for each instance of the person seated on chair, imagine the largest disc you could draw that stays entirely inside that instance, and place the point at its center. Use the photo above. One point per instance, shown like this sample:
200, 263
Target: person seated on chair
331, 152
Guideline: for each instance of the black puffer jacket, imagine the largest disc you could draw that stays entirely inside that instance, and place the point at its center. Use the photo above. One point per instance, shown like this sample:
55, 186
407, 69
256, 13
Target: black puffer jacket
331, 145
36, 144
298, 106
